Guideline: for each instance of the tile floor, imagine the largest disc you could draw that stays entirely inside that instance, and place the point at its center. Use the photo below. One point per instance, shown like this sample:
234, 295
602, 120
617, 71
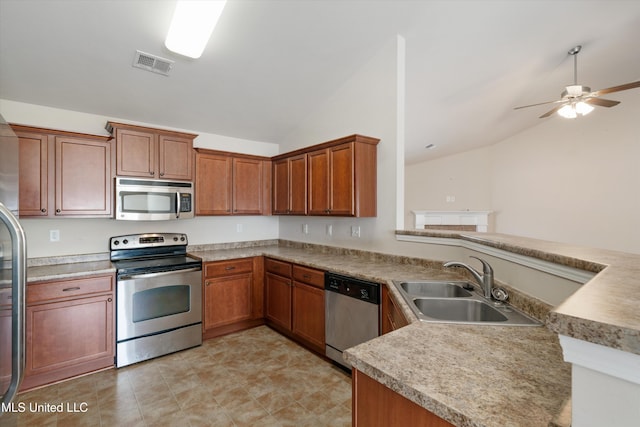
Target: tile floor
251, 378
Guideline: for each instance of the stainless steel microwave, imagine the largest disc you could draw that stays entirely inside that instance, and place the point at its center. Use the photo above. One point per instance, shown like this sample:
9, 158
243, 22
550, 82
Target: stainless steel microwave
140, 199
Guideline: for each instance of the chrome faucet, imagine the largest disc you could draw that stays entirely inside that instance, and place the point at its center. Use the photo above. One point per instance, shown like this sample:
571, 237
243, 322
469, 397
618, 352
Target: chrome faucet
485, 281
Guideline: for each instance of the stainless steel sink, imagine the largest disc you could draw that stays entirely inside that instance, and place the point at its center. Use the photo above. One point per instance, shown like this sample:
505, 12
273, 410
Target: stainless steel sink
435, 289
458, 310
454, 302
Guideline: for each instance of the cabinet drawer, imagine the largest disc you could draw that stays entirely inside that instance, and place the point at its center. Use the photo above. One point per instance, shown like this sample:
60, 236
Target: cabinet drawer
310, 276
225, 268
41, 292
280, 268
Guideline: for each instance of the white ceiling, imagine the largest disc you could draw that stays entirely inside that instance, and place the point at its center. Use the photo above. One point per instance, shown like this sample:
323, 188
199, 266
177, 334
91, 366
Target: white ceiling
270, 62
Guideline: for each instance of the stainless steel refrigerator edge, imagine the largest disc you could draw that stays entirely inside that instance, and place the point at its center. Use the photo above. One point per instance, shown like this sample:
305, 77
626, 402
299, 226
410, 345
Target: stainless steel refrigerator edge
13, 263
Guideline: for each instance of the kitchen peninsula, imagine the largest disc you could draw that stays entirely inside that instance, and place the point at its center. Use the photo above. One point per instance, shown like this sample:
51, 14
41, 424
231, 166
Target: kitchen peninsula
468, 375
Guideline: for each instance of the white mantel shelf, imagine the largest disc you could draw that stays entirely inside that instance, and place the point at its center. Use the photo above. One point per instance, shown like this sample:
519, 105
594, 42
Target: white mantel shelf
479, 219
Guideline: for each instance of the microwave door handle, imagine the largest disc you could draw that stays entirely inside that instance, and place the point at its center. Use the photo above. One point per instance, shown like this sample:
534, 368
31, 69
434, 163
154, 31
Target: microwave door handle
177, 204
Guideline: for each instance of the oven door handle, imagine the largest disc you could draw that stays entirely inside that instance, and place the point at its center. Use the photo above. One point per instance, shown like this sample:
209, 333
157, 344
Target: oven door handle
162, 273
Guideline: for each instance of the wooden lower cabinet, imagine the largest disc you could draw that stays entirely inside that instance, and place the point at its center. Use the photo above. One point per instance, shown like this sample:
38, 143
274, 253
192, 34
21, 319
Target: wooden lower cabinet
69, 329
233, 296
376, 405
308, 306
392, 317
278, 300
294, 303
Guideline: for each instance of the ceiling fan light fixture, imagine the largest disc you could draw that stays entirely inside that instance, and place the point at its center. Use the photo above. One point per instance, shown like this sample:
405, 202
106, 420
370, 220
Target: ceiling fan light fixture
571, 111
583, 108
192, 25
568, 112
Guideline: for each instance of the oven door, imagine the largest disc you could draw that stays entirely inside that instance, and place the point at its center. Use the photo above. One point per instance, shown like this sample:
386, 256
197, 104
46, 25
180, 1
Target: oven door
152, 303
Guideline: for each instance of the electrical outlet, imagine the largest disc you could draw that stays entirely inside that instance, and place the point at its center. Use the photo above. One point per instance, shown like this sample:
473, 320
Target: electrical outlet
329, 230
451, 199
54, 235
305, 228
355, 231
239, 228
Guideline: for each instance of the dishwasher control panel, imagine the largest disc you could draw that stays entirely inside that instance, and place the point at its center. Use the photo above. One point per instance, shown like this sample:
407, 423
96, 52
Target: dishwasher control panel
356, 288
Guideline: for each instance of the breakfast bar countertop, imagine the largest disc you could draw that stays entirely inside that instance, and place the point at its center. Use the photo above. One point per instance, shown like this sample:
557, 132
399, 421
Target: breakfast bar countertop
473, 375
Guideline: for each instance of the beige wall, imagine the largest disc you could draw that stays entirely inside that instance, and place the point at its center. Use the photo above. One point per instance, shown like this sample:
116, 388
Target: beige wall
573, 181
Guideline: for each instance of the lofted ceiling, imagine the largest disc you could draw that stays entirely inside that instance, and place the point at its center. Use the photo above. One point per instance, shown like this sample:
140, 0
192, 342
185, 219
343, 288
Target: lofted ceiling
271, 62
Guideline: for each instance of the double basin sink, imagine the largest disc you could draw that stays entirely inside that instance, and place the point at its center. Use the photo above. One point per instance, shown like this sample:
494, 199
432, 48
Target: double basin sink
455, 302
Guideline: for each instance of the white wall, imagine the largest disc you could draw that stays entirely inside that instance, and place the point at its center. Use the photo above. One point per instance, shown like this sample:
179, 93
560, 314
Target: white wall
572, 181
83, 236
366, 104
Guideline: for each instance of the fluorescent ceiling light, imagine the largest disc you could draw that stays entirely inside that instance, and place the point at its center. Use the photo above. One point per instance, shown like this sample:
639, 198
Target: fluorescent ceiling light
192, 24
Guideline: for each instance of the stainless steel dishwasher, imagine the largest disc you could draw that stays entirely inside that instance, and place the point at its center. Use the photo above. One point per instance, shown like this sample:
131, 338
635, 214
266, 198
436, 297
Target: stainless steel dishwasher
352, 313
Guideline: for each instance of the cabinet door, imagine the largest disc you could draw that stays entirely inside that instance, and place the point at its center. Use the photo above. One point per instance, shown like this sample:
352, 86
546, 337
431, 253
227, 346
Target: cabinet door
341, 182
136, 153
376, 405
213, 184
290, 185
281, 193
278, 300
83, 177
298, 185
247, 186
63, 334
308, 313
175, 157
34, 171
392, 317
318, 172
227, 300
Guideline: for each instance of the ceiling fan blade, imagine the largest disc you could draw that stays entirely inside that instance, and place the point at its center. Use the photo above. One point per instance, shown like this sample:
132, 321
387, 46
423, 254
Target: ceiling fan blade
550, 112
602, 102
541, 103
616, 88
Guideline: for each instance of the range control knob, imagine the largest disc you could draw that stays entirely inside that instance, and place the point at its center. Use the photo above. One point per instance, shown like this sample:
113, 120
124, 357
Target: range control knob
116, 242
125, 241
175, 238
182, 239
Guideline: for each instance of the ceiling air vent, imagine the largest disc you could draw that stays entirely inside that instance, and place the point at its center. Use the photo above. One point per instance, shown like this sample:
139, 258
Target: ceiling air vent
152, 63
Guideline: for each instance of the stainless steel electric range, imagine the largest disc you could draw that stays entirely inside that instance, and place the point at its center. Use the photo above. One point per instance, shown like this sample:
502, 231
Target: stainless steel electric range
158, 296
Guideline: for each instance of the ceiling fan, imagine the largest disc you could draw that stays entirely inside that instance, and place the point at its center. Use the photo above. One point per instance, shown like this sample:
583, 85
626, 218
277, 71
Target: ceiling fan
578, 99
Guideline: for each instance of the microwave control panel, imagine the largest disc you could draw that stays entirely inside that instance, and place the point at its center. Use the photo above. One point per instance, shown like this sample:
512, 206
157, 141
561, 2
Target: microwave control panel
185, 202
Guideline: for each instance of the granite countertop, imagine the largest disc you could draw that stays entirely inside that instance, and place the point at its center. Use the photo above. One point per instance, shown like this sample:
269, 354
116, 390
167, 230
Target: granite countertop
68, 268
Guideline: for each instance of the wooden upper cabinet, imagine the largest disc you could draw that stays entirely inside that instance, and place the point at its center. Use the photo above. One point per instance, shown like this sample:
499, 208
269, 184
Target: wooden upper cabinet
228, 184
175, 157
33, 174
152, 153
343, 178
213, 184
64, 173
290, 185
83, 177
